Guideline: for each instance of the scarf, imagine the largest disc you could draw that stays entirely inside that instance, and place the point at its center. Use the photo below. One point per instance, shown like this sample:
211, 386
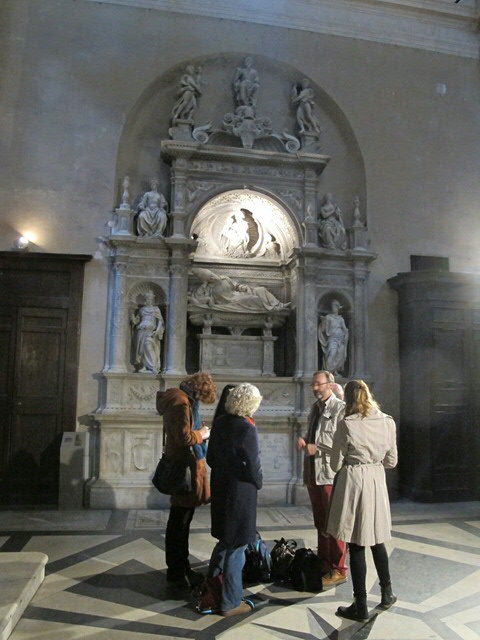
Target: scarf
200, 450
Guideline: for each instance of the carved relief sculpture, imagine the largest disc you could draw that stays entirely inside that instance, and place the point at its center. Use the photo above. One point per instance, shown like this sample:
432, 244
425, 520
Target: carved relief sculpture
186, 104
224, 294
333, 337
235, 236
302, 98
149, 327
331, 229
152, 216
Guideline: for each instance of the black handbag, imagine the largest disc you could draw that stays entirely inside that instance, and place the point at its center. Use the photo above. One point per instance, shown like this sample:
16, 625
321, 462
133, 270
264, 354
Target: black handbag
306, 571
173, 477
282, 555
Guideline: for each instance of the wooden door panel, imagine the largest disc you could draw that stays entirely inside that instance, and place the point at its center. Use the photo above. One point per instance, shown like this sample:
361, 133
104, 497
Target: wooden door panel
41, 357
34, 459
37, 413
40, 310
450, 444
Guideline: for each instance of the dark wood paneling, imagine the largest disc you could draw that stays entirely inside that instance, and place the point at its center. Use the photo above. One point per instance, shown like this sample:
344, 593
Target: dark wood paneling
39, 343
439, 329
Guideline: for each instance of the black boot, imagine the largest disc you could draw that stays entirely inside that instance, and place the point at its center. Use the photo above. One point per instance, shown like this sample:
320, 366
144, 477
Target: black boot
357, 611
388, 597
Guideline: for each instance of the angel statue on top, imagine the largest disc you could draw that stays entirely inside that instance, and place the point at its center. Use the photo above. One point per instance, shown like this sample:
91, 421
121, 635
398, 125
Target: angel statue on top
186, 103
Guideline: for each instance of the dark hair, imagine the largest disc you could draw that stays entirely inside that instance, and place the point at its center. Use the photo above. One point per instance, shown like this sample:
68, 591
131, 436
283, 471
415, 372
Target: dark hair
220, 409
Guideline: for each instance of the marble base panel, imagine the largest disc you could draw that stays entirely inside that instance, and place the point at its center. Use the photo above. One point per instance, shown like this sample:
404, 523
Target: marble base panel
130, 445
122, 495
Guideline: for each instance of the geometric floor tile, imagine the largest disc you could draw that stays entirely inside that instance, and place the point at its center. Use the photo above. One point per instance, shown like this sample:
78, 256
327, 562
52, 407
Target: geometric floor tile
417, 576
107, 582
57, 547
443, 532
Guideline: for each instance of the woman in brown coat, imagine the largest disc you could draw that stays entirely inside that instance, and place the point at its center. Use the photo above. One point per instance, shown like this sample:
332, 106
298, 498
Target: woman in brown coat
364, 445
185, 440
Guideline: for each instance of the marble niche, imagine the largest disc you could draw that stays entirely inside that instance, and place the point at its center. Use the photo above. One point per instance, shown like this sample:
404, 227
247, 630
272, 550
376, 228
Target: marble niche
241, 264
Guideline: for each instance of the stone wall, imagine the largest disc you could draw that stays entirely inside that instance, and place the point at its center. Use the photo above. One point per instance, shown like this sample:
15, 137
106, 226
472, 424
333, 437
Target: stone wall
76, 76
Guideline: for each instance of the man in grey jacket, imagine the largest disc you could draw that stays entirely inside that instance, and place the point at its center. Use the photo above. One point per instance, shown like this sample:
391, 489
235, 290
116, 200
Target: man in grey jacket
324, 416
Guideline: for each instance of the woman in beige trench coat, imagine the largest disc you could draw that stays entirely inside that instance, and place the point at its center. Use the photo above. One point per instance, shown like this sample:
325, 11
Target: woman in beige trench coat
364, 445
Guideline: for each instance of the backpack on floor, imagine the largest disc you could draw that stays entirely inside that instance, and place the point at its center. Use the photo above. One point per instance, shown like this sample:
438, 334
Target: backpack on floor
210, 597
306, 571
258, 563
282, 555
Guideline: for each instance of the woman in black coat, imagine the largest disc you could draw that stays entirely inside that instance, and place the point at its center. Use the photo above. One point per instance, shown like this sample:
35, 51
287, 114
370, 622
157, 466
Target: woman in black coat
235, 480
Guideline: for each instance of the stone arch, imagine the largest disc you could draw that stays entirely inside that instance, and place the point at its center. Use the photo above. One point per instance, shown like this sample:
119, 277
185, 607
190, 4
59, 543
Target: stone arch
149, 121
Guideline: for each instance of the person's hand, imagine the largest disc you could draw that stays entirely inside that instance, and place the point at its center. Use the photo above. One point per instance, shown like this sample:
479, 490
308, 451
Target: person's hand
311, 449
300, 444
205, 433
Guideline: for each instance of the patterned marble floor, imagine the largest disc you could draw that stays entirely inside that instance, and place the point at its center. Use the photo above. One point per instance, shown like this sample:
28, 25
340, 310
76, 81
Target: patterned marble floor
106, 578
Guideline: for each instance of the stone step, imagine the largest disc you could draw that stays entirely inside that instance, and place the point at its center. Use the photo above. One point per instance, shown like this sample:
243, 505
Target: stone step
20, 576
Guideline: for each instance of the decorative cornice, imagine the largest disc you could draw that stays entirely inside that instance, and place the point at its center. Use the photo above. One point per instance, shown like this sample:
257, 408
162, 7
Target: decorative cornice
434, 25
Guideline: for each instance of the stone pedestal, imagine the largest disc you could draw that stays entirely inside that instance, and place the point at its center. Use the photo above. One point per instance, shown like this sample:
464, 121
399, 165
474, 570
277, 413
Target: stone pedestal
358, 237
246, 355
122, 222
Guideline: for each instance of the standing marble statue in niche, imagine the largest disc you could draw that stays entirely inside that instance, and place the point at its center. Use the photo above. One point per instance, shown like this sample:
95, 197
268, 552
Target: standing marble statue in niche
333, 337
148, 327
331, 229
152, 213
302, 97
235, 236
246, 84
186, 103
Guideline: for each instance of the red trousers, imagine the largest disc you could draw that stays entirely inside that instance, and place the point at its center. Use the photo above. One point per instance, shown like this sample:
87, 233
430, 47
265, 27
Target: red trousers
333, 552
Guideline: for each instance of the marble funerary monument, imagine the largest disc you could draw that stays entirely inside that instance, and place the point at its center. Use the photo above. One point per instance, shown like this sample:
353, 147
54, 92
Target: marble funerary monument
235, 259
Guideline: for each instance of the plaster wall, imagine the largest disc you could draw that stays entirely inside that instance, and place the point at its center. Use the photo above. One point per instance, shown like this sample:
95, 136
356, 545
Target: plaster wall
73, 73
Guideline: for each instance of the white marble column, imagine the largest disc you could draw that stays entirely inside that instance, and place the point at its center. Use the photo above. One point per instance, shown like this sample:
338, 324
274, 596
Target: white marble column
311, 321
118, 320
177, 316
360, 329
179, 186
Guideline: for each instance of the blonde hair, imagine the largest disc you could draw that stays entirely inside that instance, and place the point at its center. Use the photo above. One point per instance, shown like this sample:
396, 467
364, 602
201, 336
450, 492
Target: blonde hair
359, 398
201, 387
243, 400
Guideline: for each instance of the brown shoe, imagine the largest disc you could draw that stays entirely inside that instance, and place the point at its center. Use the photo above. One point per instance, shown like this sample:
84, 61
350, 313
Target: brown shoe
333, 578
244, 607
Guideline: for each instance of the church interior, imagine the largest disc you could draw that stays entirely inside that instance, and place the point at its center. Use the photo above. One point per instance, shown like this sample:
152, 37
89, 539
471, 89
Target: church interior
260, 191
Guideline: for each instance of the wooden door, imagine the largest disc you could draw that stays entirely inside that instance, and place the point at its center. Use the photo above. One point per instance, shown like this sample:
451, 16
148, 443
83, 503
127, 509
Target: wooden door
38, 373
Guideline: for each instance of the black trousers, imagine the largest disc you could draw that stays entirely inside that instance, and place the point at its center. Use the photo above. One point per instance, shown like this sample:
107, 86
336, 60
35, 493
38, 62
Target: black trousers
358, 567
176, 542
